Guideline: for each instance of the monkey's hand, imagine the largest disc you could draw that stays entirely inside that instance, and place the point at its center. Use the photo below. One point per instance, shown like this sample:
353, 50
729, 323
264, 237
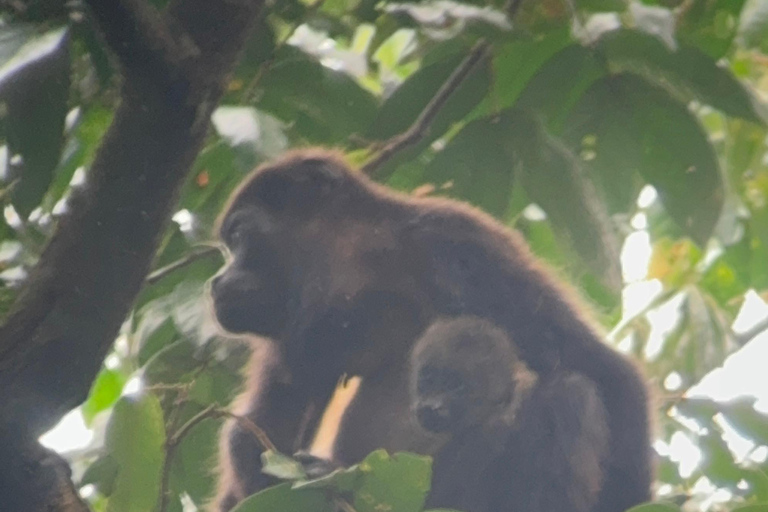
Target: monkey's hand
315, 467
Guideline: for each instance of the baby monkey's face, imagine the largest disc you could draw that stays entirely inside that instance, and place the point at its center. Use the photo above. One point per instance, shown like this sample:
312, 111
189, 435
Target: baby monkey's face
461, 374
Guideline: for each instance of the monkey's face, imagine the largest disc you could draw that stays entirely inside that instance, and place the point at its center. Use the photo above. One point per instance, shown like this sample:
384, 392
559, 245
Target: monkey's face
311, 267
266, 226
441, 398
463, 372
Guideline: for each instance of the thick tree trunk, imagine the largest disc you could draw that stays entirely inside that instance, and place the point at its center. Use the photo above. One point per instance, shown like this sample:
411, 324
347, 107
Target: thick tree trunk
175, 66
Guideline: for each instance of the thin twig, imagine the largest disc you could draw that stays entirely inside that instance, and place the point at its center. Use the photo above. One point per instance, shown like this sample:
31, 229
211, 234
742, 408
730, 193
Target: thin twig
172, 443
420, 126
190, 258
174, 440
747, 336
251, 427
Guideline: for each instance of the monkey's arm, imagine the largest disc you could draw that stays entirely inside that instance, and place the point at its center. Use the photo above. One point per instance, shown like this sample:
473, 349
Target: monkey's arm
285, 411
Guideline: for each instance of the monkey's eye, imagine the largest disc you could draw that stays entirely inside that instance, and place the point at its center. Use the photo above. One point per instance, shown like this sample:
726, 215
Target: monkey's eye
233, 230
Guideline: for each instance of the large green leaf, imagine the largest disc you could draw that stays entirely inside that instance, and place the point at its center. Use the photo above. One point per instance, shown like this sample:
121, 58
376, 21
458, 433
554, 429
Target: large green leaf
404, 105
515, 63
753, 26
554, 179
323, 105
399, 482
191, 468
283, 498
763, 507
101, 473
477, 166
688, 71
135, 440
105, 391
560, 82
742, 415
34, 84
718, 463
710, 25
635, 126
654, 507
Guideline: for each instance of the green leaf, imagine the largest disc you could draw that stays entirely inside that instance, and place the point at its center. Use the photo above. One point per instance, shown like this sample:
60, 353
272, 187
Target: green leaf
78, 151
171, 363
407, 102
514, 65
554, 179
601, 6
281, 466
105, 391
742, 415
654, 507
706, 345
701, 409
446, 19
728, 277
399, 482
343, 480
636, 126
763, 507
711, 26
15, 36
34, 84
216, 165
258, 49
283, 498
135, 439
21, 47
323, 105
192, 463
477, 165
687, 71
718, 463
155, 332
102, 473
551, 97
753, 26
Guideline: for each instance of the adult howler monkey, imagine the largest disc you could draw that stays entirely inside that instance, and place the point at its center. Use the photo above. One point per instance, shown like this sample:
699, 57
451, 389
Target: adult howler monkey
344, 275
518, 442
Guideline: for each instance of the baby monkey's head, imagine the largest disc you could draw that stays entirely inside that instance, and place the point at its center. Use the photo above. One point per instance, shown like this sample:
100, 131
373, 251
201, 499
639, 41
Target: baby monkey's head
464, 371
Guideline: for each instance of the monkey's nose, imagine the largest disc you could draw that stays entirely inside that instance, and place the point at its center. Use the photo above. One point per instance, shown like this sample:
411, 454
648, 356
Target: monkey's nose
435, 418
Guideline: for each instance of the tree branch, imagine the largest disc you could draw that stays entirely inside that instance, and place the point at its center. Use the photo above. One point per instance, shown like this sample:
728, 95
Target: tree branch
418, 130
420, 127
210, 412
190, 258
149, 55
170, 451
78, 294
756, 330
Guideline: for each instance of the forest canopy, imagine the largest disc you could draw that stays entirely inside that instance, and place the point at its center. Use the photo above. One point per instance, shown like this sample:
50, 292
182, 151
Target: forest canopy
626, 141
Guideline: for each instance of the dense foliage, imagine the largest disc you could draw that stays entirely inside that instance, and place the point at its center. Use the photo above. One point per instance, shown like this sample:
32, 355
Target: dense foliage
585, 124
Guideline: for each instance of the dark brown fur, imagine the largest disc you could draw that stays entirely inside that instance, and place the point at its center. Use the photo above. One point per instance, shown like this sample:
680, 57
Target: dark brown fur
518, 442
345, 274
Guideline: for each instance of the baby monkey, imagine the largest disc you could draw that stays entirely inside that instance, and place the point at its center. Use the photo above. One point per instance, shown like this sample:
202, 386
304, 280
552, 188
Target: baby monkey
518, 442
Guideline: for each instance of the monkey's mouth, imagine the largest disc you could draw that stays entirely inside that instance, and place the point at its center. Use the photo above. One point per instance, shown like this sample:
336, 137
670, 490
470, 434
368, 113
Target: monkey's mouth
435, 417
